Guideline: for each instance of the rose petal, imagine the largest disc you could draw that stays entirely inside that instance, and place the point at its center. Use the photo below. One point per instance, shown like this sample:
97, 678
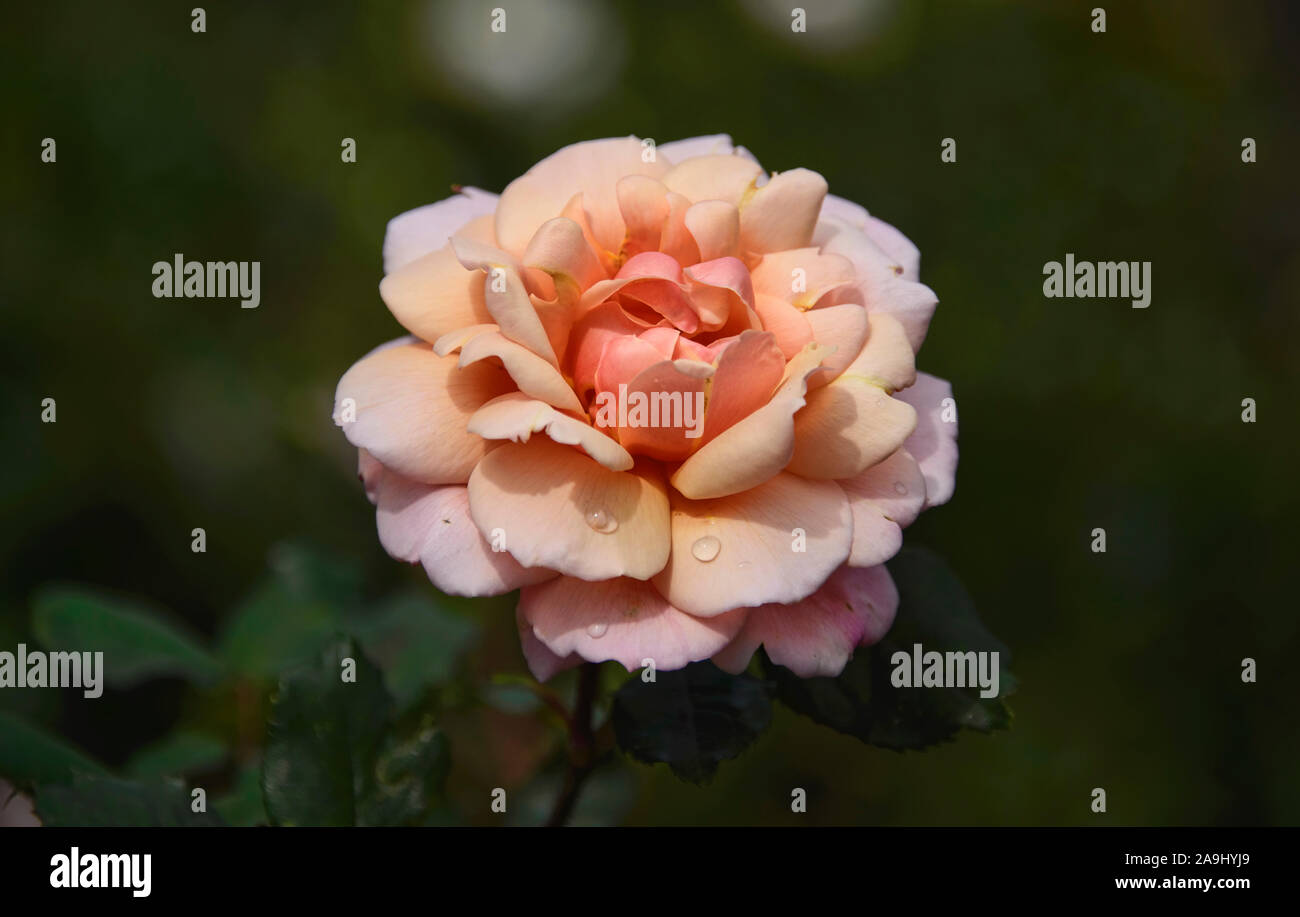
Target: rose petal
561, 251
816, 637
541, 661
425, 229
715, 226
842, 330
783, 213
531, 373
756, 448
409, 408
885, 499
624, 620
793, 333
720, 290
747, 374
896, 245
677, 151
844, 211
802, 276
506, 297
369, 471
727, 178
934, 442
516, 417
846, 427
560, 509
886, 360
435, 294
643, 202
744, 550
431, 525
591, 168
673, 393
881, 279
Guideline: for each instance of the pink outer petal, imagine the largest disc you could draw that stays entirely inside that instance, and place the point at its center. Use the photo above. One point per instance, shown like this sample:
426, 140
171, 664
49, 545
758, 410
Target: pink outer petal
624, 620
678, 151
934, 441
884, 499
541, 662
425, 229
897, 246
369, 470
845, 211
432, 526
881, 279
816, 637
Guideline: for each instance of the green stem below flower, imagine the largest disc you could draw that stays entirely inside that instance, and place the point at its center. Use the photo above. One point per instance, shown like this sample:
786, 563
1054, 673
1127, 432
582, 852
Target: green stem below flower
581, 745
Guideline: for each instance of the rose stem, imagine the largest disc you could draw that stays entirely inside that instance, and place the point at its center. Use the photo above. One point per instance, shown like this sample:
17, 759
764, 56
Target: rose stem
580, 745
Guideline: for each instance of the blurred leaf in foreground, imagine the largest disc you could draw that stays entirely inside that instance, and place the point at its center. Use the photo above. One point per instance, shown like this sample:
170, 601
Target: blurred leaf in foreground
137, 642
334, 756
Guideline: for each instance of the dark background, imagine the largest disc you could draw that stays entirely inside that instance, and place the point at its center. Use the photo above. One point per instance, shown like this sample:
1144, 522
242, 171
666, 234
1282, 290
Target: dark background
1075, 413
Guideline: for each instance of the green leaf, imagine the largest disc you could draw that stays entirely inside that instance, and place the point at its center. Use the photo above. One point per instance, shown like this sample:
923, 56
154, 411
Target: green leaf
416, 641
137, 643
29, 755
690, 719
409, 773
274, 628
243, 805
310, 573
102, 801
331, 756
934, 611
294, 614
178, 754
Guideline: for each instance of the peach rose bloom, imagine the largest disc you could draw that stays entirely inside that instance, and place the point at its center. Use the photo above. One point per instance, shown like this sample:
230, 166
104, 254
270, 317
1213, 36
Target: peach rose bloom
613, 268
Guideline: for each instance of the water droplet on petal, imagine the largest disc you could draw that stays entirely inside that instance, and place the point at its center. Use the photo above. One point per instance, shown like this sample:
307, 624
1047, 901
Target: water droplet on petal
706, 548
601, 521
743, 565
597, 630
900, 488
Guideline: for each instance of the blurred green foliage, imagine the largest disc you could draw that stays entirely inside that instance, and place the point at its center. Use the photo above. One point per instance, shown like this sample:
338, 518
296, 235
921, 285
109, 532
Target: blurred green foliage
1075, 414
